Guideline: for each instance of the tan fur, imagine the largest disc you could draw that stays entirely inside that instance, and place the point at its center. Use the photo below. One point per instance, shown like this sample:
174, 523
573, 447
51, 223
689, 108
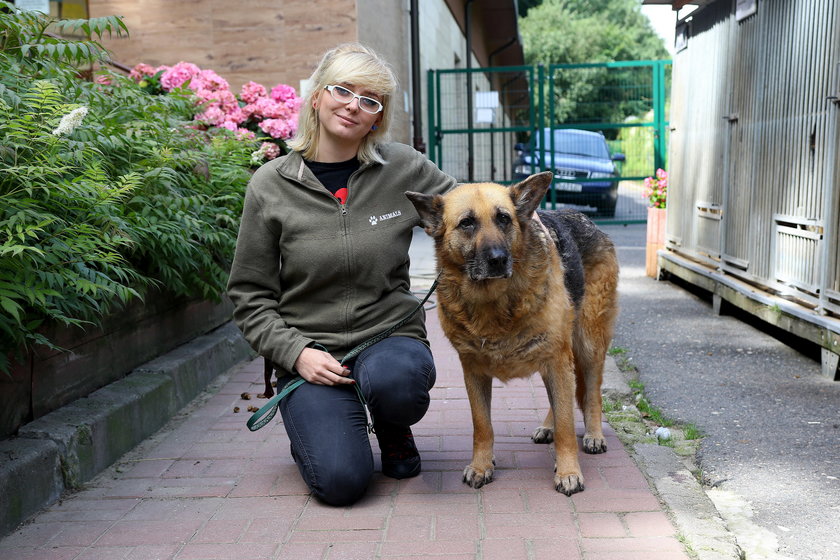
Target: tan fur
511, 327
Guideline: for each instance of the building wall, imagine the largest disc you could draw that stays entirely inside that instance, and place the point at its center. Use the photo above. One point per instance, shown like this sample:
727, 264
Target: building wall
275, 41
443, 46
270, 42
754, 148
385, 26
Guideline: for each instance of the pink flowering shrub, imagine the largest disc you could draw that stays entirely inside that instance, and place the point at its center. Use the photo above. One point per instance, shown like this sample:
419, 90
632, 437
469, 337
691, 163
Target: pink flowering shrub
656, 189
252, 91
177, 75
255, 114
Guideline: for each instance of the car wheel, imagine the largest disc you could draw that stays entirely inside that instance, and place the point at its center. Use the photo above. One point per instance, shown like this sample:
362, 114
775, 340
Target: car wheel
606, 211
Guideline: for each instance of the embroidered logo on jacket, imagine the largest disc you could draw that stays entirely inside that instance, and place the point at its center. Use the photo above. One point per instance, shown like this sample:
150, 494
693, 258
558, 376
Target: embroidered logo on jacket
376, 219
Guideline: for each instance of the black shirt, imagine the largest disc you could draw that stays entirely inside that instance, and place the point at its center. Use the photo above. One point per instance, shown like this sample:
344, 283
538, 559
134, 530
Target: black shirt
334, 176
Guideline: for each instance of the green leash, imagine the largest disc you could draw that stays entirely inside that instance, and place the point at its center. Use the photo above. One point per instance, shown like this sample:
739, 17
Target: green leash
265, 414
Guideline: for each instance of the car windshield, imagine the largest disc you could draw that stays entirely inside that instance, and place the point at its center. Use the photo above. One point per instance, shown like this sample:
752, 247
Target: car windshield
566, 142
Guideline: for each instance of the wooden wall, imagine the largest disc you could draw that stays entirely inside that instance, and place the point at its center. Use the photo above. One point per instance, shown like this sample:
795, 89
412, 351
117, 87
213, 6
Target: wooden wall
267, 41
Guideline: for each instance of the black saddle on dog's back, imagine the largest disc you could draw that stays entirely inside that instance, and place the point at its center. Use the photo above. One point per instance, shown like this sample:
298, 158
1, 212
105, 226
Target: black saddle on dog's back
575, 236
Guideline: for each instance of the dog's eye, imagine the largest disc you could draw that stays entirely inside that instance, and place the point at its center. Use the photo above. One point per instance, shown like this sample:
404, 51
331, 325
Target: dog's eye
466, 223
503, 219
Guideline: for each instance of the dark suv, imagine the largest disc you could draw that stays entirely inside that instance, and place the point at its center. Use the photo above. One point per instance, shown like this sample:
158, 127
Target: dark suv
578, 154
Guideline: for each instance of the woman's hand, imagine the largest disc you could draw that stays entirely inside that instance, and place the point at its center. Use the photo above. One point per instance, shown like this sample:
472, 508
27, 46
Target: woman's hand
320, 368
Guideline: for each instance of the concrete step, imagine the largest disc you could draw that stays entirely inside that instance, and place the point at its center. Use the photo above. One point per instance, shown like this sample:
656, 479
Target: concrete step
65, 448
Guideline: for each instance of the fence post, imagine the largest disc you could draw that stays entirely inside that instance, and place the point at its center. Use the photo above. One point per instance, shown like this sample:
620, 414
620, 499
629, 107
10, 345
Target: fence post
430, 87
659, 115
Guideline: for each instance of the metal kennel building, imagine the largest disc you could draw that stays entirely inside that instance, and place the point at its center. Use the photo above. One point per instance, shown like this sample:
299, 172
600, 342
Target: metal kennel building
753, 208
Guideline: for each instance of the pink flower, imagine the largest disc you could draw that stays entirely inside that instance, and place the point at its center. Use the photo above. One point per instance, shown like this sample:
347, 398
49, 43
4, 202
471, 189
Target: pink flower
222, 98
102, 79
270, 150
208, 80
213, 115
278, 128
230, 125
270, 109
282, 93
140, 71
236, 115
656, 189
177, 75
244, 134
251, 92
248, 111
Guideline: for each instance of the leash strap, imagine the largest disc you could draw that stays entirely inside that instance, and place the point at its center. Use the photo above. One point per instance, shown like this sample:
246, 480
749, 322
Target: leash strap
267, 412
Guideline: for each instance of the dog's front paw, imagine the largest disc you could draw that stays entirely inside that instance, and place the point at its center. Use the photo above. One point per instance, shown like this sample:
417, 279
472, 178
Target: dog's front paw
594, 445
543, 435
568, 484
477, 477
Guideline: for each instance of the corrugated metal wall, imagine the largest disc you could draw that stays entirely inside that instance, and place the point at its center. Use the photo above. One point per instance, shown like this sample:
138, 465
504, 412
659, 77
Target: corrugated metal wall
754, 146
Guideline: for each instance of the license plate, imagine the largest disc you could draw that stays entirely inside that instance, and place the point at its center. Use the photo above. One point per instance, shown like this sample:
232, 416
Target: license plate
568, 187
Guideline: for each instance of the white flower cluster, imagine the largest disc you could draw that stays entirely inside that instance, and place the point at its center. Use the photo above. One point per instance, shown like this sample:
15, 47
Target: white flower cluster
258, 156
70, 121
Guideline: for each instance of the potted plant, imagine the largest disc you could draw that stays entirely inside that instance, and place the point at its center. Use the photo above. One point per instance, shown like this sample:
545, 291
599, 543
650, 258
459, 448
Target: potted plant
656, 191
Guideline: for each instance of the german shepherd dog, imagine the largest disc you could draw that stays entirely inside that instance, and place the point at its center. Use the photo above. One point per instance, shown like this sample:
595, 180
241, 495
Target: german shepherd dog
516, 297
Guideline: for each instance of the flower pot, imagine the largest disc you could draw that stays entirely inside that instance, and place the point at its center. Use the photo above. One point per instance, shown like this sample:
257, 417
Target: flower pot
655, 239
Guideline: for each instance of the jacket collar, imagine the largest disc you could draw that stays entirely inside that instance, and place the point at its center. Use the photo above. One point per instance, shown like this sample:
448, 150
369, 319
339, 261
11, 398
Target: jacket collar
291, 166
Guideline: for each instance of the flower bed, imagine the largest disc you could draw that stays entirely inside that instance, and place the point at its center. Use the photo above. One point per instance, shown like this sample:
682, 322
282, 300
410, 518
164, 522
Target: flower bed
111, 195
268, 117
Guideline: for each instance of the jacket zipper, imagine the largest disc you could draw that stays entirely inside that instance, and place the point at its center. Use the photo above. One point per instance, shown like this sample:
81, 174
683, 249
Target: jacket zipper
347, 322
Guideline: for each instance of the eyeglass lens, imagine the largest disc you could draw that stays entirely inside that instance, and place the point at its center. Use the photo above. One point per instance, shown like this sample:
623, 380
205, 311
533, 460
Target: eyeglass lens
344, 95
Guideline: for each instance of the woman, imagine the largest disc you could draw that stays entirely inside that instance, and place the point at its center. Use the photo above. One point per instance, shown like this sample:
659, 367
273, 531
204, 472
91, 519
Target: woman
322, 259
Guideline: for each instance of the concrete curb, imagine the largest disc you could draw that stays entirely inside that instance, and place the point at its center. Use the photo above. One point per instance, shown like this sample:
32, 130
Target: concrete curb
693, 512
691, 509
81, 439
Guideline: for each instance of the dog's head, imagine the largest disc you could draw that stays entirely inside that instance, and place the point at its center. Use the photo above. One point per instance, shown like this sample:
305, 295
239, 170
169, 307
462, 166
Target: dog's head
477, 226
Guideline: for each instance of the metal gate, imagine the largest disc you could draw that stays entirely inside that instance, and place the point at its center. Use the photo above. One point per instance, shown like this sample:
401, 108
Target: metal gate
601, 127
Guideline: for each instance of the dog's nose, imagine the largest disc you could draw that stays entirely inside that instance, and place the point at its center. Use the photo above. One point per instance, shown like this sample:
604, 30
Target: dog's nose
497, 261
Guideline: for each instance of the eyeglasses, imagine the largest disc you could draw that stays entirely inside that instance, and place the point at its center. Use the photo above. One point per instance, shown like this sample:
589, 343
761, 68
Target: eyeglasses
344, 95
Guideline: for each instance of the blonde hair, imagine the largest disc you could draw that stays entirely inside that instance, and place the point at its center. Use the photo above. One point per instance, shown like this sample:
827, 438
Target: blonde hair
350, 63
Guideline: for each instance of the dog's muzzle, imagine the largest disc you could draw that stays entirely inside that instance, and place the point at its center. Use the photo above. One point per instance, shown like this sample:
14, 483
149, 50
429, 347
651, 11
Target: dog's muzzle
491, 263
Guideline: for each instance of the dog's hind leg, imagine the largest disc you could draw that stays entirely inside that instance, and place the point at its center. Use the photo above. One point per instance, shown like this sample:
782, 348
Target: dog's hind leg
592, 337
589, 372
545, 432
559, 384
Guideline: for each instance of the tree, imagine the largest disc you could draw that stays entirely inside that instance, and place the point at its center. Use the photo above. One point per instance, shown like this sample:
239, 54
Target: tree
525, 5
581, 31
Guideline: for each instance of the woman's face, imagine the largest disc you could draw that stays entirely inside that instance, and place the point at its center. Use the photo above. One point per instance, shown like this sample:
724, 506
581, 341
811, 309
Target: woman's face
344, 124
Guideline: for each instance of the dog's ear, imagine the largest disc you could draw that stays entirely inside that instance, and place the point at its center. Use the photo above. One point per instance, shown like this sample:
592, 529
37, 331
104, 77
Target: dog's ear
528, 194
430, 208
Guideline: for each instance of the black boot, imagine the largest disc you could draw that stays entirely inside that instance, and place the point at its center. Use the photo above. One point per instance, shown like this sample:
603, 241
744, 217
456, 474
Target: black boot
400, 458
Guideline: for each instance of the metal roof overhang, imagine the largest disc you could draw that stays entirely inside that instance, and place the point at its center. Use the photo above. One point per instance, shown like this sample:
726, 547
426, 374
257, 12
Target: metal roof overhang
495, 30
677, 4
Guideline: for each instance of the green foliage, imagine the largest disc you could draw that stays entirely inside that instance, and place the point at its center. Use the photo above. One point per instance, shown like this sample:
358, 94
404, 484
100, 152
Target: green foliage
104, 190
636, 143
691, 431
575, 31
27, 35
524, 5
582, 31
622, 359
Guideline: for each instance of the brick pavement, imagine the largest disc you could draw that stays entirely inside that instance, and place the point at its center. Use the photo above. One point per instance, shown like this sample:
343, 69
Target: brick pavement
205, 487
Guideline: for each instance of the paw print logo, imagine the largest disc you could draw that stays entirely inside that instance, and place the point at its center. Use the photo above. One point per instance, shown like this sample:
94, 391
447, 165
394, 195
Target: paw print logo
373, 220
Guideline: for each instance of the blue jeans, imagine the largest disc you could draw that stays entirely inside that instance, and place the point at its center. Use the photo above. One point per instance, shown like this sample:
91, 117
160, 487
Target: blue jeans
327, 425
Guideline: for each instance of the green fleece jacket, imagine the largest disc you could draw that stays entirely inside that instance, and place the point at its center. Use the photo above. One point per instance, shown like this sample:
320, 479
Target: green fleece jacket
308, 269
